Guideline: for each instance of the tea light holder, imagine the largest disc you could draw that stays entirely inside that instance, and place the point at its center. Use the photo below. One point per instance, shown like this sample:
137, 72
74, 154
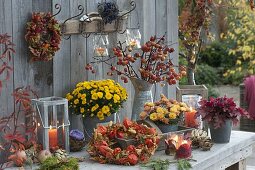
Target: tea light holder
101, 43
52, 123
134, 38
177, 145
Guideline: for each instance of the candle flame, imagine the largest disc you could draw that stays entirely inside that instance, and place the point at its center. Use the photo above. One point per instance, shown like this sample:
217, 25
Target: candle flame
191, 109
50, 127
175, 138
184, 142
132, 42
38, 124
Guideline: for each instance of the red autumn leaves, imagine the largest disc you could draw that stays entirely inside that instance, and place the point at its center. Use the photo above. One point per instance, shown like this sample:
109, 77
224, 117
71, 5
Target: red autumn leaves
103, 148
43, 36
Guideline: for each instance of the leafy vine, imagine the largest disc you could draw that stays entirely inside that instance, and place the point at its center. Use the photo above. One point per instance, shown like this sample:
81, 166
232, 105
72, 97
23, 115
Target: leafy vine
5, 58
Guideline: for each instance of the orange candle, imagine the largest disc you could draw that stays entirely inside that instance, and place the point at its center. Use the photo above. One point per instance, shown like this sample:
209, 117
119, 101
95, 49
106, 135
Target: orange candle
53, 137
190, 119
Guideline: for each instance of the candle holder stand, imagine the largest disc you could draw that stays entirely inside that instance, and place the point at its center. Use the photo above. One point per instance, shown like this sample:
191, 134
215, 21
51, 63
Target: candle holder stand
52, 122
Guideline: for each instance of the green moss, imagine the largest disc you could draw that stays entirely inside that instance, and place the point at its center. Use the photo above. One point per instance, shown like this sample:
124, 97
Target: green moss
53, 163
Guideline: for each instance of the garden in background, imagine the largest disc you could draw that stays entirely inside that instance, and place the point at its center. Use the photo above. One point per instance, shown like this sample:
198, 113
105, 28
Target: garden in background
225, 59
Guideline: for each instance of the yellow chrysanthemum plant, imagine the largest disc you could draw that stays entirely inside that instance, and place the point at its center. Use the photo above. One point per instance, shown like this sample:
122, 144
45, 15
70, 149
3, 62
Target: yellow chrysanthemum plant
167, 111
97, 98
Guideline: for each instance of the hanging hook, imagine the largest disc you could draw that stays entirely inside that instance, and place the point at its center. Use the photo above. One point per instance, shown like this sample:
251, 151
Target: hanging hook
80, 8
133, 6
58, 7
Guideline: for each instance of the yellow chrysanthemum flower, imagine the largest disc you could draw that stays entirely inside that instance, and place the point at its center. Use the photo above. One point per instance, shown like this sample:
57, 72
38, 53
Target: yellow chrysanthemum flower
83, 96
153, 116
149, 104
94, 96
79, 95
88, 87
160, 115
105, 109
117, 90
183, 109
108, 96
100, 114
173, 109
172, 115
76, 101
116, 98
160, 110
82, 110
94, 107
69, 97
100, 95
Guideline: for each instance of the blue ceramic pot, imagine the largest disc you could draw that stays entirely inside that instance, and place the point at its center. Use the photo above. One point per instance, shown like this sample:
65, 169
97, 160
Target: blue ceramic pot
222, 134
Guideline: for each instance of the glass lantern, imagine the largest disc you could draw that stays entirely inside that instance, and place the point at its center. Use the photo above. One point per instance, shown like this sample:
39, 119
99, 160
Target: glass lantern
134, 38
101, 43
52, 123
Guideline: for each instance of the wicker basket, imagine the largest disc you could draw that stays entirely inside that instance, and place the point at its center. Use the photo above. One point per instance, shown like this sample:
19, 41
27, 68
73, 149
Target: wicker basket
245, 124
76, 145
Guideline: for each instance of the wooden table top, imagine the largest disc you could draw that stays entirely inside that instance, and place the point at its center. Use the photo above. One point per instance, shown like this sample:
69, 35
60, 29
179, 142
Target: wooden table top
219, 157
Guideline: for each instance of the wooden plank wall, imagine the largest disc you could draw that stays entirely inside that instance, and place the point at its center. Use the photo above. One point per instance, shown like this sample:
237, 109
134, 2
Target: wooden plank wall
14, 15
67, 68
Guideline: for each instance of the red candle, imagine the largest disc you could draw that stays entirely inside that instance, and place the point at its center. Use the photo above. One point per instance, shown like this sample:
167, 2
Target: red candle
190, 119
53, 138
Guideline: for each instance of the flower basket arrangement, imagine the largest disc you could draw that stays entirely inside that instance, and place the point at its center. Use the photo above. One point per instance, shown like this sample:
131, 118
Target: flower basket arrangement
220, 113
43, 36
164, 112
97, 98
104, 147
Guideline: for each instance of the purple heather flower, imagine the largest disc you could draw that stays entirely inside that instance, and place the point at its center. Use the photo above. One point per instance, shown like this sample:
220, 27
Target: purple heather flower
76, 134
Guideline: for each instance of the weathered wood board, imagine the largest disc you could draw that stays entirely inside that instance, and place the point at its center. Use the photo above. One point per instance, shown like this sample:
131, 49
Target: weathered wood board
59, 76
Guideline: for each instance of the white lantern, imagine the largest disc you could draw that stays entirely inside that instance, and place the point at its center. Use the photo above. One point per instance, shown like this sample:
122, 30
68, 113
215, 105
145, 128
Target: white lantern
134, 38
101, 43
52, 122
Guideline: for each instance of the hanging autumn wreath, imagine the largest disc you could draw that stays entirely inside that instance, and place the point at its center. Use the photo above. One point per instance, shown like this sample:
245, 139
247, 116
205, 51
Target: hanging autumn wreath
43, 36
123, 144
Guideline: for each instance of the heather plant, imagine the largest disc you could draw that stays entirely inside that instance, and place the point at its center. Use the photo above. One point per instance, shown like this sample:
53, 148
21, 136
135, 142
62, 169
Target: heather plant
218, 110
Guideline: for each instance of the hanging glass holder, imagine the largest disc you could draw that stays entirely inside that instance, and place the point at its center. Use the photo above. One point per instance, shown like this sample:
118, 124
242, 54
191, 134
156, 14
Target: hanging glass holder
101, 43
133, 35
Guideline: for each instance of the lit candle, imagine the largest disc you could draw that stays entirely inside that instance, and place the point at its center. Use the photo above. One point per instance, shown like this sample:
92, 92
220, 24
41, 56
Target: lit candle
132, 43
190, 119
100, 51
53, 137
